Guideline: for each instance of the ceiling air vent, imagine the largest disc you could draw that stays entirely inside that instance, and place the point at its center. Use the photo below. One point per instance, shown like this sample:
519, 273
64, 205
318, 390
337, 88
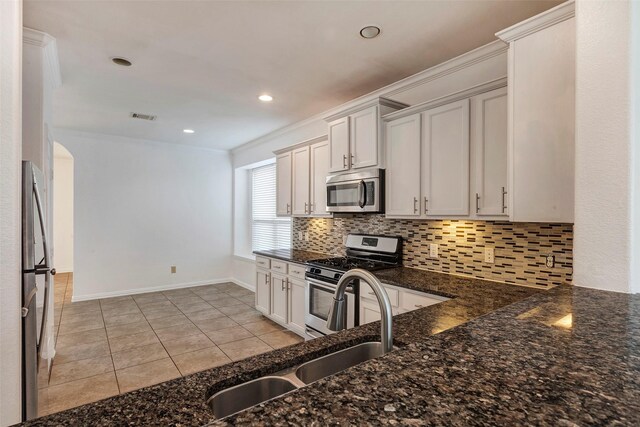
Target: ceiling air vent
141, 116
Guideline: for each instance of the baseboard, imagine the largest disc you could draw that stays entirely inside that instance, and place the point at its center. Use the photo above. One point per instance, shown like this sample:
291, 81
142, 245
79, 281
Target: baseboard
101, 295
245, 285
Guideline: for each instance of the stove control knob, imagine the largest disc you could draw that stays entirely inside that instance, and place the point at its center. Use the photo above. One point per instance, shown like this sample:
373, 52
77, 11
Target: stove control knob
337, 276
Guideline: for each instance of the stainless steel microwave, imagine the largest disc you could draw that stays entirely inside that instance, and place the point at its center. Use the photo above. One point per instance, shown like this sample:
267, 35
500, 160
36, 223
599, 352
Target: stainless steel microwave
356, 192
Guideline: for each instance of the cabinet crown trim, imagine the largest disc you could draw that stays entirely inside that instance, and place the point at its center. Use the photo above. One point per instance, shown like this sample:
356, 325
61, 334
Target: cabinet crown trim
378, 101
456, 96
49, 53
304, 143
539, 22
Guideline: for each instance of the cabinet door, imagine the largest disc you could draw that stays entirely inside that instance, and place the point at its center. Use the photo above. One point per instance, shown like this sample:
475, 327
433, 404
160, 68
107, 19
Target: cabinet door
263, 291
364, 138
403, 166
543, 125
489, 139
445, 159
296, 305
319, 172
283, 184
279, 298
339, 145
369, 312
300, 182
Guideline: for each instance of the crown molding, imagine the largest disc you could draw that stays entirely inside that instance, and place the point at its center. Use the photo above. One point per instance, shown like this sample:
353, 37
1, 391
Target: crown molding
560, 13
453, 97
49, 46
378, 101
465, 60
304, 143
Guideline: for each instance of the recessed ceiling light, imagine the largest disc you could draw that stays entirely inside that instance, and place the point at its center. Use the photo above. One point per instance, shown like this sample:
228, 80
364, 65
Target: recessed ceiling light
370, 32
265, 98
188, 131
121, 61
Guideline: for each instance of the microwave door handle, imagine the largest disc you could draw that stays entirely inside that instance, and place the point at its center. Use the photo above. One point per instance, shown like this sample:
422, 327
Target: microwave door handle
363, 194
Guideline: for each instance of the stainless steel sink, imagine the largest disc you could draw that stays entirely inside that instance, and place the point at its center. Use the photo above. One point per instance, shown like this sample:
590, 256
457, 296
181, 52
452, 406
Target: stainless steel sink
246, 395
339, 361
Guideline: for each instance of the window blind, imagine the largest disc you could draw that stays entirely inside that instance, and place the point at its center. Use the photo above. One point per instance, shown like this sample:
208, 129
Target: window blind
267, 230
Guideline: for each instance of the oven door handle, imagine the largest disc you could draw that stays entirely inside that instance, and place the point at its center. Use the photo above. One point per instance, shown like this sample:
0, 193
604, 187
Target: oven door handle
362, 202
321, 284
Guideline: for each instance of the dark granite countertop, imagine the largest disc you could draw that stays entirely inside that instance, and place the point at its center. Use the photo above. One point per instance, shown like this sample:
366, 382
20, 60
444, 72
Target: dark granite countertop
564, 356
292, 255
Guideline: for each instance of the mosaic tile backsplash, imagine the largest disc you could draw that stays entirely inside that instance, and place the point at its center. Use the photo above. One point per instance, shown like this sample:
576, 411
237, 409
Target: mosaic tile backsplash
520, 248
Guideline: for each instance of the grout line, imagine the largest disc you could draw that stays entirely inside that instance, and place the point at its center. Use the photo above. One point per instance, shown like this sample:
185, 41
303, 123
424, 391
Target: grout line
109, 345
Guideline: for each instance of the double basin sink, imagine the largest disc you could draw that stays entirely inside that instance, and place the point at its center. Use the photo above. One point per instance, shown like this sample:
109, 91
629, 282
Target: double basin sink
251, 393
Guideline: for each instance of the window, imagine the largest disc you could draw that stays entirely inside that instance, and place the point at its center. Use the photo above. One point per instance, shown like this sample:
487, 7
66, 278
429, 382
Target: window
267, 230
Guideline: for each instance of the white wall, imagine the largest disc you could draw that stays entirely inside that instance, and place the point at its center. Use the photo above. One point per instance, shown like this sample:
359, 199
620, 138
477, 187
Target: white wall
141, 207
10, 201
604, 214
62, 209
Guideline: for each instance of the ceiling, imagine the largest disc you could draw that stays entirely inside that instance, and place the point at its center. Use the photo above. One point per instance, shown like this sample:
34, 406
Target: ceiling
202, 64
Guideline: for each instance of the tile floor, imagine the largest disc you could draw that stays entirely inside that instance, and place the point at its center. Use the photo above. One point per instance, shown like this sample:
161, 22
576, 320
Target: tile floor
111, 346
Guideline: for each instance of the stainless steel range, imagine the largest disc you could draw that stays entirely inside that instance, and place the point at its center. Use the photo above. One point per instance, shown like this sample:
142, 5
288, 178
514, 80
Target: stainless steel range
364, 251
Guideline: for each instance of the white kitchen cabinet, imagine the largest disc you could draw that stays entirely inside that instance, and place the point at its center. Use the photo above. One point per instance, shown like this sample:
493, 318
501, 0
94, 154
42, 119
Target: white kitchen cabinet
283, 184
300, 182
263, 291
445, 159
296, 305
339, 155
489, 142
541, 110
363, 138
318, 174
355, 140
279, 297
402, 184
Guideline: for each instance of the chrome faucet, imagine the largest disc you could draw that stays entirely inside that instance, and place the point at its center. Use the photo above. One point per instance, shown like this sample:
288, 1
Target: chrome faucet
336, 320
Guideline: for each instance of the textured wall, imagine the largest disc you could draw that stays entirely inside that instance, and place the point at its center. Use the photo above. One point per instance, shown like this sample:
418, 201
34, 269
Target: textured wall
520, 248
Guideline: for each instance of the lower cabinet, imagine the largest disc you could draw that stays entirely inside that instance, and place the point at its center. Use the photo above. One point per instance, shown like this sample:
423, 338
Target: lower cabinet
401, 300
280, 293
263, 291
279, 290
297, 292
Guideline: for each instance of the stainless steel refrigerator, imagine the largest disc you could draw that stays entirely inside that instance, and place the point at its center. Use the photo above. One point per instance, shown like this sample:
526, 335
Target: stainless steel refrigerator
36, 285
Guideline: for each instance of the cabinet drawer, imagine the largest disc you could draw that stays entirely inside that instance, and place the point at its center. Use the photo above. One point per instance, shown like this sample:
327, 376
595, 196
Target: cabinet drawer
263, 262
297, 271
279, 266
367, 293
410, 301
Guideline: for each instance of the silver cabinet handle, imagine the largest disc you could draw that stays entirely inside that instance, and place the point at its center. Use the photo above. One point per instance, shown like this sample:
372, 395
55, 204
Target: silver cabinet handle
282, 286
504, 206
415, 205
426, 205
477, 203
353, 160
288, 208
344, 161
266, 279
305, 207
311, 205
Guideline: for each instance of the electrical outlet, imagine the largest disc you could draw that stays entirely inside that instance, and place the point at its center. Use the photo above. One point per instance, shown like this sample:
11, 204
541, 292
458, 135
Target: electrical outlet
489, 255
173, 269
433, 250
300, 236
306, 236
550, 261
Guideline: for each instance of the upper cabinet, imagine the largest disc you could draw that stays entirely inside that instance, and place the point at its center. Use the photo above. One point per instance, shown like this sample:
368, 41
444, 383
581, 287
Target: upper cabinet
445, 159
355, 136
541, 116
489, 145
283, 184
301, 173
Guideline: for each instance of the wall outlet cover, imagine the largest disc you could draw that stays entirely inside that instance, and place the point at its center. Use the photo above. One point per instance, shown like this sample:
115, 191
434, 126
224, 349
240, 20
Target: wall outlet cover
300, 236
550, 261
489, 255
306, 236
433, 250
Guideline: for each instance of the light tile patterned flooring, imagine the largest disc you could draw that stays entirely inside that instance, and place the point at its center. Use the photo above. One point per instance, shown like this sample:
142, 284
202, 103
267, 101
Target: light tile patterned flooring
111, 346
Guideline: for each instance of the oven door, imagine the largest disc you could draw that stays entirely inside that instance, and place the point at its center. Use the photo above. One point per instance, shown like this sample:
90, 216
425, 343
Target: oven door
361, 195
318, 303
